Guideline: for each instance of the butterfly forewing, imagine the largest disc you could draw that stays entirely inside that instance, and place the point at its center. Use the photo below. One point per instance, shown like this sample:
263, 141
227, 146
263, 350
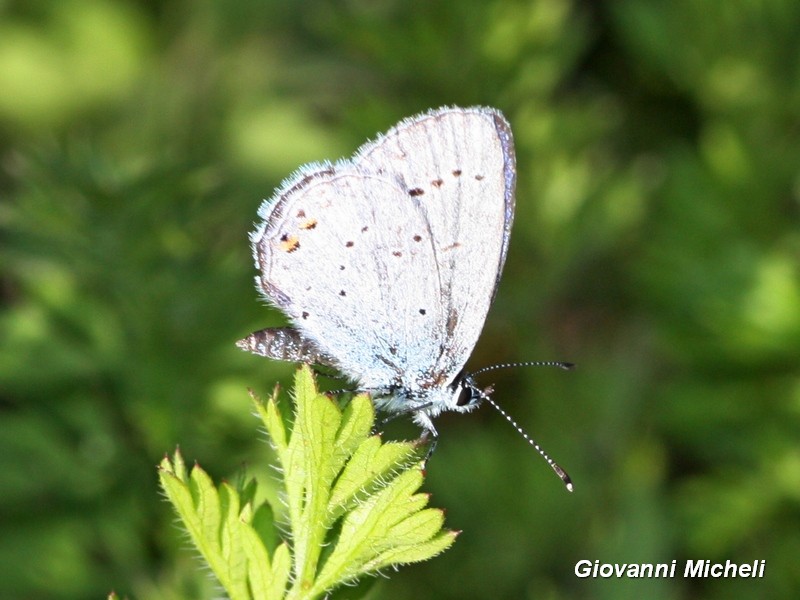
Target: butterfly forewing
388, 262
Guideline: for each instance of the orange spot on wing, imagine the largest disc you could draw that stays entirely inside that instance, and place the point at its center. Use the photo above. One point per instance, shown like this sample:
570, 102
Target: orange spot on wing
289, 243
308, 224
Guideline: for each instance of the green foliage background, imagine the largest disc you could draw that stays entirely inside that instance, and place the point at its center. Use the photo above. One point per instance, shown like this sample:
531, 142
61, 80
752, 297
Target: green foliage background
656, 244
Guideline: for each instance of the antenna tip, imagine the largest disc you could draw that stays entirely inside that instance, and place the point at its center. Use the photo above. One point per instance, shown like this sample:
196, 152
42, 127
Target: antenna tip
567, 366
564, 477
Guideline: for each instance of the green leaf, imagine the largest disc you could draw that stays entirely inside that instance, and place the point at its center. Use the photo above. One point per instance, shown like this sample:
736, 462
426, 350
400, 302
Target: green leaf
231, 542
346, 493
273, 421
356, 425
309, 476
281, 568
369, 468
365, 531
372, 516
401, 555
222, 530
259, 568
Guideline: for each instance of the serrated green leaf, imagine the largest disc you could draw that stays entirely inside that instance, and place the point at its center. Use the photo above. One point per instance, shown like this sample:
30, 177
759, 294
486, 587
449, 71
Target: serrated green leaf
366, 528
319, 424
309, 477
356, 424
178, 466
181, 498
390, 504
206, 502
281, 567
398, 534
304, 385
372, 465
259, 568
273, 421
417, 528
402, 555
213, 519
233, 559
229, 509
334, 472
176, 491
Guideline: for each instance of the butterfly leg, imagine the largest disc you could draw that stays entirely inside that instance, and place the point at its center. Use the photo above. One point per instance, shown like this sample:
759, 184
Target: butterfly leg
431, 445
428, 431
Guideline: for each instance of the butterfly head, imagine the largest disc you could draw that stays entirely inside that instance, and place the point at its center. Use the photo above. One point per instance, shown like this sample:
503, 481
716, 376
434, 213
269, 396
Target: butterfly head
465, 395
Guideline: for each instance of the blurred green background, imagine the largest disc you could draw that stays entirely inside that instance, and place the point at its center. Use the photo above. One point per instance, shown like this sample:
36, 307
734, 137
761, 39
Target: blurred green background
656, 244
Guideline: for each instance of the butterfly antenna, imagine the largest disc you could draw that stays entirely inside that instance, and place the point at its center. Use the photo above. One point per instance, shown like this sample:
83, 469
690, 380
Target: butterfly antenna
537, 363
553, 464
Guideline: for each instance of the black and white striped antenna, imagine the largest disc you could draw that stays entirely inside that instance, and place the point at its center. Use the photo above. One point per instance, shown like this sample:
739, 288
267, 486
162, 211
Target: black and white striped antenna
562, 474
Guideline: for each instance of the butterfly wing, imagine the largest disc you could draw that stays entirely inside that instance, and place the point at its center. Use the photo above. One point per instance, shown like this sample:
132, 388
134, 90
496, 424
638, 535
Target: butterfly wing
389, 262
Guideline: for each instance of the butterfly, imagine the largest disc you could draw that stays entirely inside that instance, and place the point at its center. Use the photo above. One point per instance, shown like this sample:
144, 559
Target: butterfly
386, 263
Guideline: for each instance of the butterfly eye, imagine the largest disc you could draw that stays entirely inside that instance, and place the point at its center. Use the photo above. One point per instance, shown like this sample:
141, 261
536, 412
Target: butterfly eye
467, 395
